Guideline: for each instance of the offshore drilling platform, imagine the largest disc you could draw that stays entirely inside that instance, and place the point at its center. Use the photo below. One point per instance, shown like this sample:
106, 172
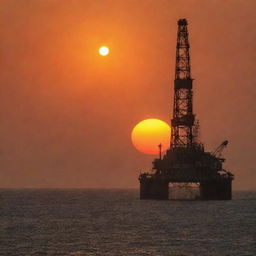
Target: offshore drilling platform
186, 164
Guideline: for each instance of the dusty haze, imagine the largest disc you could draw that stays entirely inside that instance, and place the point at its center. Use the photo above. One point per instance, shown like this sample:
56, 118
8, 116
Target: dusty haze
66, 114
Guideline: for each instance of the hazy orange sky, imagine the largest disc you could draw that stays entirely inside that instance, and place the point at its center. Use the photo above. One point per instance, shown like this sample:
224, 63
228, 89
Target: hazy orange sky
66, 113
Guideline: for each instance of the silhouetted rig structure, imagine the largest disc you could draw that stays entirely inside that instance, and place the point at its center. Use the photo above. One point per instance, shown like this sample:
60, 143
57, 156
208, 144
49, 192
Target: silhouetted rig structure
186, 162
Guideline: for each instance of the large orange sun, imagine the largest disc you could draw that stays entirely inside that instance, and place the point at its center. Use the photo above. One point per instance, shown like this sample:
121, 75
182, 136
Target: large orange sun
149, 133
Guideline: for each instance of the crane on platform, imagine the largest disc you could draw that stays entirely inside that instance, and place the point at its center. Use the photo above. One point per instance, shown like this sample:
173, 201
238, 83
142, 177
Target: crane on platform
218, 151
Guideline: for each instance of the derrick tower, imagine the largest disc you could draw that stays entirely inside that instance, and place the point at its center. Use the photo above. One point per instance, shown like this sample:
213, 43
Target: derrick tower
183, 117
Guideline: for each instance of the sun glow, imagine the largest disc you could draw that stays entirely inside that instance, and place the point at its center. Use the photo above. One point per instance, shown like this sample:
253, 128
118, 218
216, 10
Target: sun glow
103, 51
149, 133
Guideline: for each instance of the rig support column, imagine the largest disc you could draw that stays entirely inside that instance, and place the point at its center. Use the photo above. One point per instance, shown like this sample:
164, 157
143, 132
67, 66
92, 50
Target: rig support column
154, 189
220, 189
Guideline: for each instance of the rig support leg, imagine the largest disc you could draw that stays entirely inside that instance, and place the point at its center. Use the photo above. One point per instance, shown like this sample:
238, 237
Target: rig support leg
154, 189
216, 190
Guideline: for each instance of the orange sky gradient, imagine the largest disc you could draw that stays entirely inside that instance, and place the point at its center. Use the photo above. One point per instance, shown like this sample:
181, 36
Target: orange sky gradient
66, 113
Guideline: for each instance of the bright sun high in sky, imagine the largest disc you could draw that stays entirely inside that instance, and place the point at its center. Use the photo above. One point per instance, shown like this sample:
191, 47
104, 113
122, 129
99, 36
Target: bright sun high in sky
149, 133
103, 51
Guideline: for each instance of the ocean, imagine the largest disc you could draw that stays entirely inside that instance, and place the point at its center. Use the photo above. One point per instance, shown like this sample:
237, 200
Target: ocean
91, 222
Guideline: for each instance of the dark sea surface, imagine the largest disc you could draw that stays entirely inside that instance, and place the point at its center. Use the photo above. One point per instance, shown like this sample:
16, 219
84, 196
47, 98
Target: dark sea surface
117, 223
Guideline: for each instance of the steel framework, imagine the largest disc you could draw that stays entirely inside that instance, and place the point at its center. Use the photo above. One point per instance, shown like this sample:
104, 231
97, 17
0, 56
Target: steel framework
183, 118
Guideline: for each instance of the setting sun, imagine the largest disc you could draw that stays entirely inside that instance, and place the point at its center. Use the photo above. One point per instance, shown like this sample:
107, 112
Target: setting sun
149, 133
104, 50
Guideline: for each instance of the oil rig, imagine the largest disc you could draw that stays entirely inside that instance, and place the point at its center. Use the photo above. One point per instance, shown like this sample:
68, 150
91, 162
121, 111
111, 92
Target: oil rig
186, 163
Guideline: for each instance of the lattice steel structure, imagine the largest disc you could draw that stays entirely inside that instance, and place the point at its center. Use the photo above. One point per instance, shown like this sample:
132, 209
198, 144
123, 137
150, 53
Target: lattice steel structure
183, 117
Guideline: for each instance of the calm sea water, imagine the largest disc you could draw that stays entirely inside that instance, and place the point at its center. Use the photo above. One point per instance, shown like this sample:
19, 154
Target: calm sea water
117, 223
